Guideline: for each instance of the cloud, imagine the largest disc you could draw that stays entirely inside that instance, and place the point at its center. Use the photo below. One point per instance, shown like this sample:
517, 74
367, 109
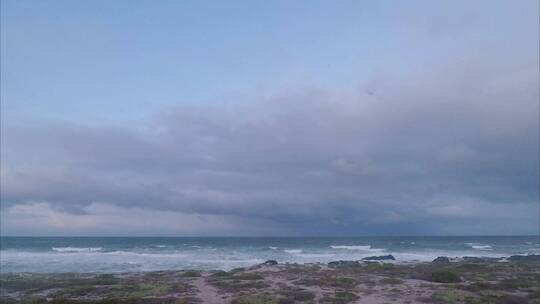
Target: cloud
105, 219
305, 162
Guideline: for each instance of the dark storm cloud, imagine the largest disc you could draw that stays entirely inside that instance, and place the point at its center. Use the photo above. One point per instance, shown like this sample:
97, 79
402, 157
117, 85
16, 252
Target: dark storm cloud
450, 151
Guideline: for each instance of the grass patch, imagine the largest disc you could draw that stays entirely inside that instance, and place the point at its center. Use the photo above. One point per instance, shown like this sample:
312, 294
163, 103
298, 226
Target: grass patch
299, 295
255, 300
340, 297
329, 281
247, 276
445, 276
191, 274
221, 274
391, 281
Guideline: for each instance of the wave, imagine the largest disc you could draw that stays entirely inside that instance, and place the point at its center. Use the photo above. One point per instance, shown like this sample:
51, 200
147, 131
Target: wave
146, 254
356, 247
479, 246
353, 247
98, 251
293, 250
316, 255
77, 249
127, 256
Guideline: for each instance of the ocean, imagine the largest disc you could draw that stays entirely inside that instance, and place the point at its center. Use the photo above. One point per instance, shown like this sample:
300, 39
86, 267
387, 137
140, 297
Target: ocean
124, 254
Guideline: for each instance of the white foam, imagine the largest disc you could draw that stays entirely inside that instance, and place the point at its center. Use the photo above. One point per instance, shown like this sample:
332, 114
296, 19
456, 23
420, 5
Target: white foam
161, 256
77, 249
479, 246
316, 255
416, 256
358, 248
353, 247
482, 247
293, 250
145, 254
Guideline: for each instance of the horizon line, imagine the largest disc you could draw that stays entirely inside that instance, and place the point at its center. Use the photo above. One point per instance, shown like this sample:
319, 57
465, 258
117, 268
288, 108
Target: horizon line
254, 236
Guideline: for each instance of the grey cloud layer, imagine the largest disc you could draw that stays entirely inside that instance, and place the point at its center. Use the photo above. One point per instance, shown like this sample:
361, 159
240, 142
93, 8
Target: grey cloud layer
451, 151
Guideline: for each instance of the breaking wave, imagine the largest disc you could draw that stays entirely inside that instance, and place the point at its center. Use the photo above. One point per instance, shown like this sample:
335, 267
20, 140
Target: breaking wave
77, 249
479, 246
353, 247
293, 250
359, 248
137, 254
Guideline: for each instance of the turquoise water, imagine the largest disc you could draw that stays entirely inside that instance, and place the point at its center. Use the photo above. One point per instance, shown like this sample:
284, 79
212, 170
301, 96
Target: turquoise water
118, 254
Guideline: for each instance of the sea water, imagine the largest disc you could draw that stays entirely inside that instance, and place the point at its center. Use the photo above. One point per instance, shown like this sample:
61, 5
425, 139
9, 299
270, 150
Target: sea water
122, 254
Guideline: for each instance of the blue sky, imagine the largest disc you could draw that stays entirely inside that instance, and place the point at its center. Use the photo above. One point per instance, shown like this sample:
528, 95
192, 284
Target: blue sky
195, 84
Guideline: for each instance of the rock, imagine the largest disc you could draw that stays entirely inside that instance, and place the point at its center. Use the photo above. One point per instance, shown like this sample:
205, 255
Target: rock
266, 263
340, 264
379, 258
525, 258
441, 259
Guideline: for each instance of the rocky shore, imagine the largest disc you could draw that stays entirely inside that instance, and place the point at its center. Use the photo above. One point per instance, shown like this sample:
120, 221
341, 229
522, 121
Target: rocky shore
472, 280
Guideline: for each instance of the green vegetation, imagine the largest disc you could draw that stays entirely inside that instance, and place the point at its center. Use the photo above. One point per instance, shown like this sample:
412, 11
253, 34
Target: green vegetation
445, 276
471, 283
234, 282
340, 297
221, 273
391, 281
247, 276
297, 294
191, 274
328, 281
255, 300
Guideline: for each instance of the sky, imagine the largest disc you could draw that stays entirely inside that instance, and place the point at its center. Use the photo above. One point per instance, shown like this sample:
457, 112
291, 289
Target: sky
269, 118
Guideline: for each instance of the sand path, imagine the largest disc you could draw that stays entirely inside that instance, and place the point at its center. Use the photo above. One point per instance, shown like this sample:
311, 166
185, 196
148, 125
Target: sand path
207, 293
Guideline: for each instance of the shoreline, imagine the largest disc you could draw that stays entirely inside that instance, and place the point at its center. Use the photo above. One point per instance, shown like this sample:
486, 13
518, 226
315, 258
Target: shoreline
373, 281
104, 255
387, 258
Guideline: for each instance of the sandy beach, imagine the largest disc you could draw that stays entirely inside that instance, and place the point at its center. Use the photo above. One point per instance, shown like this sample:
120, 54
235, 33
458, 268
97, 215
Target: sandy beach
468, 280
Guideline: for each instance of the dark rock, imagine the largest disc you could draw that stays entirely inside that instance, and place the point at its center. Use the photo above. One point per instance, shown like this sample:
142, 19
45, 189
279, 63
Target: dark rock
340, 264
525, 258
441, 259
270, 263
379, 258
